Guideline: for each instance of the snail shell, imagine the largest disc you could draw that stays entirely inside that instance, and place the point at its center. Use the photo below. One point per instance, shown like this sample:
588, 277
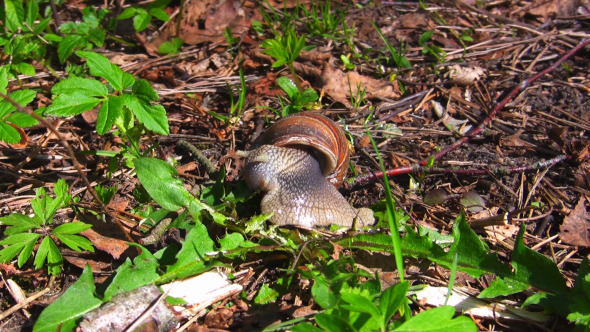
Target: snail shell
324, 136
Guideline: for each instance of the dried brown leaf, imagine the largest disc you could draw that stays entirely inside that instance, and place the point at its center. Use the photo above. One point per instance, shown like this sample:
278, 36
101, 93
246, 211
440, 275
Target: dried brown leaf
574, 229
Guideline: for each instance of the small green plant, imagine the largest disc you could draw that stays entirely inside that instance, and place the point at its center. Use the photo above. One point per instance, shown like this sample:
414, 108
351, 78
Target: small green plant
357, 97
9, 117
20, 37
123, 101
321, 20
285, 49
346, 61
143, 17
236, 107
170, 47
24, 232
397, 57
298, 100
428, 47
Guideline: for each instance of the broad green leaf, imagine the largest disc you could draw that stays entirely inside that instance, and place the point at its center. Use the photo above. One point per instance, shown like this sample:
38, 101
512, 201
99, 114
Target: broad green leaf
288, 86
153, 117
503, 287
25, 254
141, 20
14, 14
54, 258
44, 205
170, 47
61, 191
157, 177
72, 104
191, 258
392, 299
22, 97
308, 96
9, 134
332, 323
127, 13
160, 14
67, 46
71, 228
18, 223
42, 252
87, 86
323, 294
305, 327
3, 79
108, 114
231, 241
266, 295
64, 313
24, 68
359, 303
534, 268
438, 319
100, 66
143, 271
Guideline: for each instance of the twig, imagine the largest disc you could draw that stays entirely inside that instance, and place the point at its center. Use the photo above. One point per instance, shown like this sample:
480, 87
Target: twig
475, 131
23, 303
70, 151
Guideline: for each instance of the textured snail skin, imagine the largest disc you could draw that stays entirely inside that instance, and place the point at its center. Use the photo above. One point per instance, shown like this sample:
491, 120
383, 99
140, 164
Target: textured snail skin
297, 191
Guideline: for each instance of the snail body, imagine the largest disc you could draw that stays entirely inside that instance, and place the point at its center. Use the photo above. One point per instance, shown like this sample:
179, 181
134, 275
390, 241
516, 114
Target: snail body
300, 160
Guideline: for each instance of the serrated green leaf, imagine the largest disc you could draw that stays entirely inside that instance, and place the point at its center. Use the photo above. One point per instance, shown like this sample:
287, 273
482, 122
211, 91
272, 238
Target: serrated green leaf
22, 97
9, 134
130, 276
332, 323
71, 228
160, 14
76, 242
15, 243
67, 46
42, 252
323, 294
32, 13
87, 86
359, 303
231, 241
144, 90
24, 68
54, 258
157, 177
141, 20
61, 192
14, 14
72, 104
153, 117
77, 300
18, 223
44, 205
22, 120
26, 253
392, 299
108, 114
266, 295
101, 66
3, 79
438, 319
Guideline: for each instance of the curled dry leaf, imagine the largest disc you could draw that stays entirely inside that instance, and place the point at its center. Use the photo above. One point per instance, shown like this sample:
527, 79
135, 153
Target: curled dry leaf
452, 124
464, 75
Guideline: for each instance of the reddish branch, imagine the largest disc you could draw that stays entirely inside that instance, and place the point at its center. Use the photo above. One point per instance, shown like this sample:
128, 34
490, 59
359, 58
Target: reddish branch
420, 166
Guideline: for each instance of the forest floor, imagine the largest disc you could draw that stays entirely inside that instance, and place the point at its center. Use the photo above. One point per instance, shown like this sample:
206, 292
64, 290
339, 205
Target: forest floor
528, 165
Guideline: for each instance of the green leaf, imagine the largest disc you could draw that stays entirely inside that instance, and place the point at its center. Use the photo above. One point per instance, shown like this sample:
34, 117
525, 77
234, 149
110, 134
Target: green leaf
157, 177
153, 117
231, 241
87, 86
266, 295
64, 313
288, 86
3, 79
105, 194
32, 13
425, 37
19, 223
129, 12
323, 294
141, 20
438, 319
71, 228
534, 268
359, 303
67, 46
100, 66
43, 251
143, 271
191, 257
14, 14
108, 114
170, 47
160, 14
22, 97
61, 192
332, 323
144, 90
22, 120
503, 287
76, 242
9, 134
24, 68
45, 206
15, 243
72, 104
392, 299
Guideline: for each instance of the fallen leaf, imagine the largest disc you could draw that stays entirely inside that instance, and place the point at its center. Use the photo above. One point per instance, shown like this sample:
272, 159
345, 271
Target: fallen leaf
114, 247
574, 229
464, 75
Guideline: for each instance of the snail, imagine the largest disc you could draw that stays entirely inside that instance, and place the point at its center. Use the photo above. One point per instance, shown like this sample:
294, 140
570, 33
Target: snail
298, 163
